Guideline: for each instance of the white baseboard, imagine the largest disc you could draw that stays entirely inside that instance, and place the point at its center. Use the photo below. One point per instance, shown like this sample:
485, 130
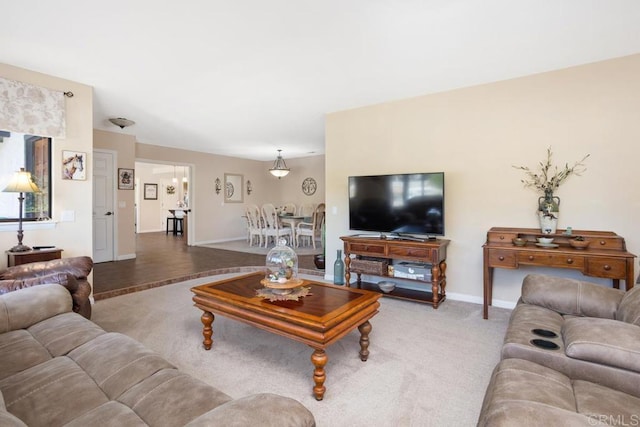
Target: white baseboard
214, 242
479, 300
125, 256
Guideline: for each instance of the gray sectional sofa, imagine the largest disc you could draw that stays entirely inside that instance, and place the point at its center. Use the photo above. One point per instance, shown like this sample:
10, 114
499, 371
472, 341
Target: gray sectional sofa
571, 356
58, 368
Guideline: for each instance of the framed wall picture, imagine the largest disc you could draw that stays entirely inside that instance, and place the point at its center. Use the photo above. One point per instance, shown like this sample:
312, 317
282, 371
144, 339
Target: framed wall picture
73, 165
151, 191
233, 191
125, 179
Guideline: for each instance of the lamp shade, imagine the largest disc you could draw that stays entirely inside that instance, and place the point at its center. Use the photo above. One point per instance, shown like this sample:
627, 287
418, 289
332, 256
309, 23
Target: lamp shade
279, 168
21, 183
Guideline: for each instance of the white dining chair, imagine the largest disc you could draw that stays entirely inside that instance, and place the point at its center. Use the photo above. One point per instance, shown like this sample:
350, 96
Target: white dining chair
272, 226
311, 229
254, 224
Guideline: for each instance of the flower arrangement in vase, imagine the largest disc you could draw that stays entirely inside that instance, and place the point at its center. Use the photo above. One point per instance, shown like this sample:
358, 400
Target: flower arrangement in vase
545, 180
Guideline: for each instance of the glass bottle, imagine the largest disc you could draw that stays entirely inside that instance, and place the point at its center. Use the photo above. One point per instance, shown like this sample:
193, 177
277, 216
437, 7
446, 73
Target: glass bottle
338, 269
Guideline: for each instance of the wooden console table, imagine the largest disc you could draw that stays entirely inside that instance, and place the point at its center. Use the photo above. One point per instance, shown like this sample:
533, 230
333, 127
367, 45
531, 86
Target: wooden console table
432, 252
36, 255
606, 256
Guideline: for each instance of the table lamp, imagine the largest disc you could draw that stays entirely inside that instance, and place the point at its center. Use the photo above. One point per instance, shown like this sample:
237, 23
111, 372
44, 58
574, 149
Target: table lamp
21, 183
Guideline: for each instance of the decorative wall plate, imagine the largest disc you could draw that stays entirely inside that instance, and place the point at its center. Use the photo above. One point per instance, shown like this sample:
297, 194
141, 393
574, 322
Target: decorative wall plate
228, 188
309, 186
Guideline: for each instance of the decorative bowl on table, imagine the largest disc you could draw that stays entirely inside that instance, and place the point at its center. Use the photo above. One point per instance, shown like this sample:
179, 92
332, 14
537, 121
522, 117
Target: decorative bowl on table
519, 241
545, 240
579, 243
386, 286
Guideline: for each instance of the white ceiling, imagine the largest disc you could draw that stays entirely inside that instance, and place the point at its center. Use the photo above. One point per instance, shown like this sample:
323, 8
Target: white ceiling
246, 77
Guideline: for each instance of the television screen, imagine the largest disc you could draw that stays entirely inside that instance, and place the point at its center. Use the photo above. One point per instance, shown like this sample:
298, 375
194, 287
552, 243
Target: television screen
402, 203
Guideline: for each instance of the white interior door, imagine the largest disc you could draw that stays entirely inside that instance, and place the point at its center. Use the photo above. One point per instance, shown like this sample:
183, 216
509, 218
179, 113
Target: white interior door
103, 209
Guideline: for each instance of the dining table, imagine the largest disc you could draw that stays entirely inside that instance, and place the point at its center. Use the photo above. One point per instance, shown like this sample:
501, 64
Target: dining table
293, 221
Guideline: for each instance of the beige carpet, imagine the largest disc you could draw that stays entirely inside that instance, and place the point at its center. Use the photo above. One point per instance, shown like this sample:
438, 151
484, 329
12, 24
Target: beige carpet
426, 367
243, 246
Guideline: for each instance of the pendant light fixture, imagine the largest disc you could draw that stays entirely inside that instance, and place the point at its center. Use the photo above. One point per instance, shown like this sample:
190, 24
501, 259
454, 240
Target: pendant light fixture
279, 168
121, 122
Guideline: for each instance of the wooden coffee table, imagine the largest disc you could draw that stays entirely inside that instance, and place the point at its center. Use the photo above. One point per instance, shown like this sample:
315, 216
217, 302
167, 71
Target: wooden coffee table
318, 320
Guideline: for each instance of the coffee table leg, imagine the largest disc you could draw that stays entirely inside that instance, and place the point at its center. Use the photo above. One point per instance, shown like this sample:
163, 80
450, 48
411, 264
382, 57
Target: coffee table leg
319, 359
364, 329
207, 319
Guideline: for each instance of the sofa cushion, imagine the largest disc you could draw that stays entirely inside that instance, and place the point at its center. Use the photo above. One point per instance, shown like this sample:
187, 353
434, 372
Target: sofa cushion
19, 350
569, 296
172, 398
605, 405
603, 341
51, 393
522, 393
629, 309
110, 414
117, 362
17, 308
265, 410
62, 333
10, 420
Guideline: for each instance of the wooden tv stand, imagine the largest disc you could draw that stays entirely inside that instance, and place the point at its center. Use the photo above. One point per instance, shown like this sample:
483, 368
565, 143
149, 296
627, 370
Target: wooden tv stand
606, 256
432, 252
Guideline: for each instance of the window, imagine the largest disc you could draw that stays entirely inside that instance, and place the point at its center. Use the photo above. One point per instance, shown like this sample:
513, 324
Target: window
34, 154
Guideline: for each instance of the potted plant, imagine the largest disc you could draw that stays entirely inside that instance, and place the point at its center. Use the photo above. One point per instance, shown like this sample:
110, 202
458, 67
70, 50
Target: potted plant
545, 180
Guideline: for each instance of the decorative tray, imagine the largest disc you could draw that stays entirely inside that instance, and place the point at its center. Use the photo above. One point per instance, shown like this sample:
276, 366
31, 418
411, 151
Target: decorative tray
289, 284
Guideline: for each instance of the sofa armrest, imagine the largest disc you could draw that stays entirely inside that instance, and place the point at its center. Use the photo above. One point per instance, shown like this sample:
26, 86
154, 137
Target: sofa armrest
603, 341
570, 296
267, 410
78, 267
28, 306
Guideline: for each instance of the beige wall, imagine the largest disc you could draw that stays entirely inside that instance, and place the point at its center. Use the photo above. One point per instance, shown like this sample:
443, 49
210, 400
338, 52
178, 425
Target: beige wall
75, 197
476, 134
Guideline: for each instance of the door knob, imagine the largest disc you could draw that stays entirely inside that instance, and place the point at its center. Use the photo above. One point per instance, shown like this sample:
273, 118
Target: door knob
109, 213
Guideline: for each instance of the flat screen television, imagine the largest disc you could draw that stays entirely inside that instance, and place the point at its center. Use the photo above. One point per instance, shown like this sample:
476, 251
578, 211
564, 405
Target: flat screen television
410, 204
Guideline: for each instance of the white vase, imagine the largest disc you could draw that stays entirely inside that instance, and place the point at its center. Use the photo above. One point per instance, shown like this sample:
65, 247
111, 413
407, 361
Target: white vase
548, 223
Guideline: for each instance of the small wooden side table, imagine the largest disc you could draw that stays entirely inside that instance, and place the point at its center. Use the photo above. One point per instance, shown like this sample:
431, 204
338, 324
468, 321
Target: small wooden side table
35, 255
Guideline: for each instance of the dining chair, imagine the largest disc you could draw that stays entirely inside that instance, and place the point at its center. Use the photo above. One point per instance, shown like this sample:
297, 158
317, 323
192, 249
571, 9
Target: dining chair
272, 226
254, 224
311, 229
289, 208
307, 210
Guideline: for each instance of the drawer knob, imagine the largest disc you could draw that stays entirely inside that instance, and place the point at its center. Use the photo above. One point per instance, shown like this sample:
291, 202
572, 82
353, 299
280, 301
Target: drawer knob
530, 257
607, 267
602, 243
501, 237
501, 258
569, 260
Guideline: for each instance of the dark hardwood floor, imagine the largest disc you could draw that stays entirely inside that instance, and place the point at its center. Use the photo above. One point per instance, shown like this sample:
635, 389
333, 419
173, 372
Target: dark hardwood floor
164, 259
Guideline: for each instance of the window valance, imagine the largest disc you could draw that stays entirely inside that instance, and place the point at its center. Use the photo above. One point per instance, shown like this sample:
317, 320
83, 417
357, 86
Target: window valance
30, 109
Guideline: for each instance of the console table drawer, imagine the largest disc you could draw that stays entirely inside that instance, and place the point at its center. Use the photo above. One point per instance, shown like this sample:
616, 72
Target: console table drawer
409, 253
610, 268
501, 237
502, 259
364, 248
551, 260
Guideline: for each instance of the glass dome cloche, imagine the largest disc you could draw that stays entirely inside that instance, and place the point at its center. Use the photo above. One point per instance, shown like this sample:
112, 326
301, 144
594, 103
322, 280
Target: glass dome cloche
281, 265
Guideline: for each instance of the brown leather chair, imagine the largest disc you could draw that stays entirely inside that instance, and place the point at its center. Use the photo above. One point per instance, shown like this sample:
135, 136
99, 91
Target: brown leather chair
69, 272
